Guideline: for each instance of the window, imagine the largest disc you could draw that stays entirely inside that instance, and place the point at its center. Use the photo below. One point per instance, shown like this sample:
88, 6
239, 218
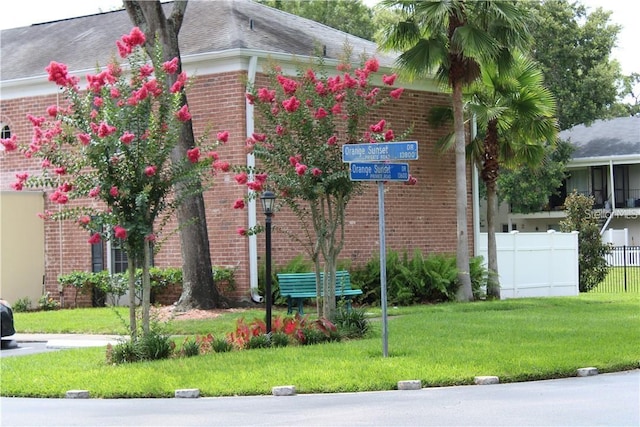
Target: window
5, 133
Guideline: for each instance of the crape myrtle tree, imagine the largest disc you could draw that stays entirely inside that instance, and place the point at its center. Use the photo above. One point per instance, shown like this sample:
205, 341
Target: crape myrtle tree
112, 144
302, 123
453, 38
198, 288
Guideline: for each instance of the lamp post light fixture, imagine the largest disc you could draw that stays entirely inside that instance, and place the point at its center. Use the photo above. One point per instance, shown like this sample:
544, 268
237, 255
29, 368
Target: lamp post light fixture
268, 200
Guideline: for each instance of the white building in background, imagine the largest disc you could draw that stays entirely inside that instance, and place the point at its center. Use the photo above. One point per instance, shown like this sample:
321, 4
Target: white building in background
605, 165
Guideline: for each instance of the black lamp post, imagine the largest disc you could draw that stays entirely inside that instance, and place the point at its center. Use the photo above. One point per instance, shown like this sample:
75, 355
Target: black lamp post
268, 200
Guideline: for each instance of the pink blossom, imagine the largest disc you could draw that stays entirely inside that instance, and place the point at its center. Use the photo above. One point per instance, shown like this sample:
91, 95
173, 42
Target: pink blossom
52, 110
259, 137
288, 85
279, 130
60, 170
84, 220
221, 166
93, 114
336, 109
412, 180
316, 172
113, 191
59, 197
58, 73
333, 140
98, 101
301, 169
294, 160
123, 48
127, 137
146, 70
389, 80
396, 93
153, 87
179, 84
18, 186
94, 192
95, 239
105, 129
120, 232
84, 138
171, 67
321, 89
388, 135
65, 187
310, 75
241, 178
223, 136
213, 155
291, 104
321, 113
239, 204
150, 170
378, 127
254, 185
266, 95
10, 144
261, 177
372, 65
114, 92
250, 97
193, 155
242, 231
183, 114
45, 163
349, 81
150, 237
36, 121
136, 37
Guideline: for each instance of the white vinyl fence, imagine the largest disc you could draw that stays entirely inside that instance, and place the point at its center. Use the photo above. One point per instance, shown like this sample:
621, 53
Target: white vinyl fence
535, 264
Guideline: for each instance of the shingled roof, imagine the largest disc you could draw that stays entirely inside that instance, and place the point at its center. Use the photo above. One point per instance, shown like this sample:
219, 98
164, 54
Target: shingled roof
209, 26
605, 138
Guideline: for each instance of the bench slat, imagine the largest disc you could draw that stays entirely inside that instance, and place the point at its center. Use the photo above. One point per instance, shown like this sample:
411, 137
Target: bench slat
297, 286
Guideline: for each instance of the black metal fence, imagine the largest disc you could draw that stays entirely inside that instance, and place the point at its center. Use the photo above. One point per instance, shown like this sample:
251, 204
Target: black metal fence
624, 272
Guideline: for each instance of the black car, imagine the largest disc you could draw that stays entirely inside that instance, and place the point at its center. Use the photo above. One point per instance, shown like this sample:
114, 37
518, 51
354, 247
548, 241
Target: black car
6, 320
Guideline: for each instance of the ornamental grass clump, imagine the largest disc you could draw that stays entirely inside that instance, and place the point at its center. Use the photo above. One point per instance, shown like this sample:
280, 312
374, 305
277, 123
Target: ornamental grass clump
111, 145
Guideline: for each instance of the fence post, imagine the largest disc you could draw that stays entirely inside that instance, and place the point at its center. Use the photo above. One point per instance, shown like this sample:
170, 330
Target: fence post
624, 264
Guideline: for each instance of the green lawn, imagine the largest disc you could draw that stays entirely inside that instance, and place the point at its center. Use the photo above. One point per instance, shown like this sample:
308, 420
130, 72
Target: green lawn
441, 345
620, 279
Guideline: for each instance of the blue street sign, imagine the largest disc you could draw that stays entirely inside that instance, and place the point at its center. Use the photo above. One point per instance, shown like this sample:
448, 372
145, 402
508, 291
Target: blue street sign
379, 171
380, 151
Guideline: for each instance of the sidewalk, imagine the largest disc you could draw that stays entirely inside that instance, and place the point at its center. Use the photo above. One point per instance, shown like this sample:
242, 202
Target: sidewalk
69, 340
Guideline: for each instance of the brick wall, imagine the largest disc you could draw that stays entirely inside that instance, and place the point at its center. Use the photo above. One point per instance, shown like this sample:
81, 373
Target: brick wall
421, 216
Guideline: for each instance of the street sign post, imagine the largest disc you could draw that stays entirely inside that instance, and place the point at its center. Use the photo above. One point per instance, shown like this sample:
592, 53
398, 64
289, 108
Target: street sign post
380, 151
379, 171
370, 162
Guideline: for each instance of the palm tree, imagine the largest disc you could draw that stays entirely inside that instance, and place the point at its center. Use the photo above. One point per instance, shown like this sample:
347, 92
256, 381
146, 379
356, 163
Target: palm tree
455, 38
515, 116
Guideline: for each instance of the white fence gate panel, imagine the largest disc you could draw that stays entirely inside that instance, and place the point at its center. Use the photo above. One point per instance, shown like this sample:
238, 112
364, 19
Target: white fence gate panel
535, 264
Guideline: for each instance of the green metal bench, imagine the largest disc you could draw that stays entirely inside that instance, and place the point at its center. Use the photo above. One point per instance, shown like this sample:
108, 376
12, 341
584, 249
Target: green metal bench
295, 287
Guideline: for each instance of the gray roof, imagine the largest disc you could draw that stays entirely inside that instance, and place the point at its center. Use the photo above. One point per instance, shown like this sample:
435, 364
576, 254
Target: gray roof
209, 26
605, 138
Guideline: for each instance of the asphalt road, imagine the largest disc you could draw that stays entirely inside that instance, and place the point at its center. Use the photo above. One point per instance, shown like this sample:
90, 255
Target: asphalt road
602, 400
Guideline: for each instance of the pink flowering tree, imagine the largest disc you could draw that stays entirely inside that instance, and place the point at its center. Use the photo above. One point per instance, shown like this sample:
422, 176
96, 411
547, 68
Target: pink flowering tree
110, 146
303, 122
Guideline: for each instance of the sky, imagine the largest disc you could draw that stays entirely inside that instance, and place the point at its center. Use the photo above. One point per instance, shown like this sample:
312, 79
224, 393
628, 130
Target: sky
26, 12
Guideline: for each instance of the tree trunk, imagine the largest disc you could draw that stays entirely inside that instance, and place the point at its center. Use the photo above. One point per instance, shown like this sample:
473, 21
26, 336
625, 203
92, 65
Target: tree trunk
131, 269
465, 292
493, 281
198, 288
490, 170
146, 289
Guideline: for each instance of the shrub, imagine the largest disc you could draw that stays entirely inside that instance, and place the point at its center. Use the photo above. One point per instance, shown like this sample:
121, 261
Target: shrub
46, 302
124, 352
156, 346
221, 345
21, 305
280, 339
351, 323
190, 347
259, 341
592, 266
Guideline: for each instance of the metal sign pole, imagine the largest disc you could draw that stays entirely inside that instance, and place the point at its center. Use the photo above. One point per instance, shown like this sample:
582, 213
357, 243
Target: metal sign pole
383, 270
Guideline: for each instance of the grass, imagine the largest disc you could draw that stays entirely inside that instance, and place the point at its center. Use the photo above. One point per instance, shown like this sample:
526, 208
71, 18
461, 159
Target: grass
615, 280
441, 345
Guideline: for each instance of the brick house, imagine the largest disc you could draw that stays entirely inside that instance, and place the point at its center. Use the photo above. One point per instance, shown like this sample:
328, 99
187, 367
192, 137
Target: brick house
222, 43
